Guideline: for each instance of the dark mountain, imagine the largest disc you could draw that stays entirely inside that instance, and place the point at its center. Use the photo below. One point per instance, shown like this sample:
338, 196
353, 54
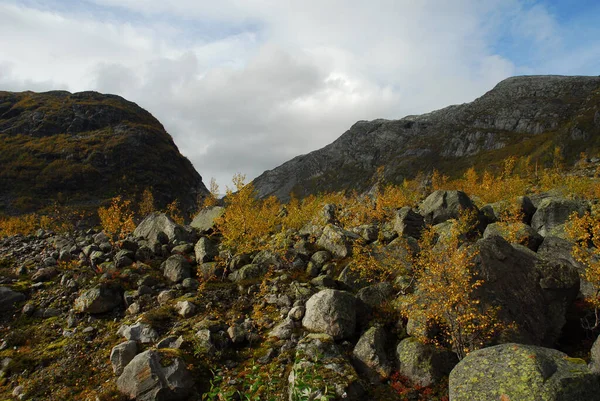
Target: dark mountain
84, 148
527, 115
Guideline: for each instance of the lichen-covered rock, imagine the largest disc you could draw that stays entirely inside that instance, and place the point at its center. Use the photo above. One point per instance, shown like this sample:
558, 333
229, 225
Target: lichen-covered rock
206, 218
444, 205
205, 250
554, 212
525, 235
8, 298
121, 355
156, 223
337, 241
100, 299
332, 312
177, 268
247, 272
424, 364
524, 373
152, 376
369, 355
321, 369
185, 308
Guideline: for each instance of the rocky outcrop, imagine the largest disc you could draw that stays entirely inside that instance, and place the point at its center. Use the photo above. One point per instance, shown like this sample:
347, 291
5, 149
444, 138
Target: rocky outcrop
452, 139
524, 373
88, 146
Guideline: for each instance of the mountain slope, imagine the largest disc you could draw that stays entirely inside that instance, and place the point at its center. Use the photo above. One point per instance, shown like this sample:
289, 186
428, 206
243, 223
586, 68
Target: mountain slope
84, 148
521, 116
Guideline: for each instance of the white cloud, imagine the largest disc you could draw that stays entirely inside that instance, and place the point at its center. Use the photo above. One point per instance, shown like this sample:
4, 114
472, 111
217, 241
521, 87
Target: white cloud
244, 85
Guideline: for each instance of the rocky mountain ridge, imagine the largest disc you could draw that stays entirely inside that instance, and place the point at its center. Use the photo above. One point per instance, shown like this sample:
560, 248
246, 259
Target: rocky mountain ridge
521, 116
84, 148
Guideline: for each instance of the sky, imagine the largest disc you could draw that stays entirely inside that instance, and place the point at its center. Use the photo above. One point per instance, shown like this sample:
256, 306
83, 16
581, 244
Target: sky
245, 85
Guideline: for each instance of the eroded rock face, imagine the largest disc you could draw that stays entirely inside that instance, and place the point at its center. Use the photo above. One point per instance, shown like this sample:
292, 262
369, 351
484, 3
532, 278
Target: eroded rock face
153, 376
332, 312
524, 373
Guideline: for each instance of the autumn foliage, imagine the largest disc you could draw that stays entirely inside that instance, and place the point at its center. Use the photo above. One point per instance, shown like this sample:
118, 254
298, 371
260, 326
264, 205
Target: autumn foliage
117, 219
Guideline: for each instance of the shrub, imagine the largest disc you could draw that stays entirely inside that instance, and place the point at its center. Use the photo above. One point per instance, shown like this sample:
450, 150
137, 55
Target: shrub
117, 219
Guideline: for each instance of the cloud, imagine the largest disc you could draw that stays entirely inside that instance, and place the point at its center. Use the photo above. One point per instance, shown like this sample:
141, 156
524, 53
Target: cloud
244, 86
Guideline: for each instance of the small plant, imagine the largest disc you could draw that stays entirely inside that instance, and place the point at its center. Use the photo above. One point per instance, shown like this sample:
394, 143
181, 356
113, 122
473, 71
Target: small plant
146, 205
117, 219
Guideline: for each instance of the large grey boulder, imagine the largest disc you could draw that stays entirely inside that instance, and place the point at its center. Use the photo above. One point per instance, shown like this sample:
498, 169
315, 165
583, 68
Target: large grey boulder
407, 223
205, 250
121, 355
320, 369
8, 298
444, 205
525, 235
369, 355
332, 312
156, 223
524, 373
152, 376
177, 268
424, 364
206, 218
100, 299
594, 364
554, 212
337, 241
140, 332
512, 279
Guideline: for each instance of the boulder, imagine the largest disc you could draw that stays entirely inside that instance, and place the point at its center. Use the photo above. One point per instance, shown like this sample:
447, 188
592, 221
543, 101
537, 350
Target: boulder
251, 271
377, 294
525, 235
185, 308
369, 355
177, 268
554, 212
337, 241
511, 280
594, 364
8, 298
140, 332
524, 373
153, 376
121, 355
206, 218
332, 312
424, 364
205, 250
100, 299
444, 205
156, 223
320, 370
124, 258
407, 223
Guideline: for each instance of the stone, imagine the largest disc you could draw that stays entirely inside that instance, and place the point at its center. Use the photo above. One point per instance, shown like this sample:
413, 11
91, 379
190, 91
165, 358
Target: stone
237, 333
332, 312
100, 299
177, 268
525, 234
553, 212
8, 298
247, 272
165, 296
297, 313
320, 369
185, 308
283, 330
369, 355
407, 223
171, 342
204, 221
205, 250
337, 241
376, 294
44, 274
156, 223
522, 372
424, 364
124, 258
146, 379
442, 205
140, 332
121, 355
594, 364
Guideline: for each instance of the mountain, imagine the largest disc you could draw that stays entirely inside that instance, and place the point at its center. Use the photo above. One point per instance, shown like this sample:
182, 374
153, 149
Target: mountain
521, 116
84, 148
